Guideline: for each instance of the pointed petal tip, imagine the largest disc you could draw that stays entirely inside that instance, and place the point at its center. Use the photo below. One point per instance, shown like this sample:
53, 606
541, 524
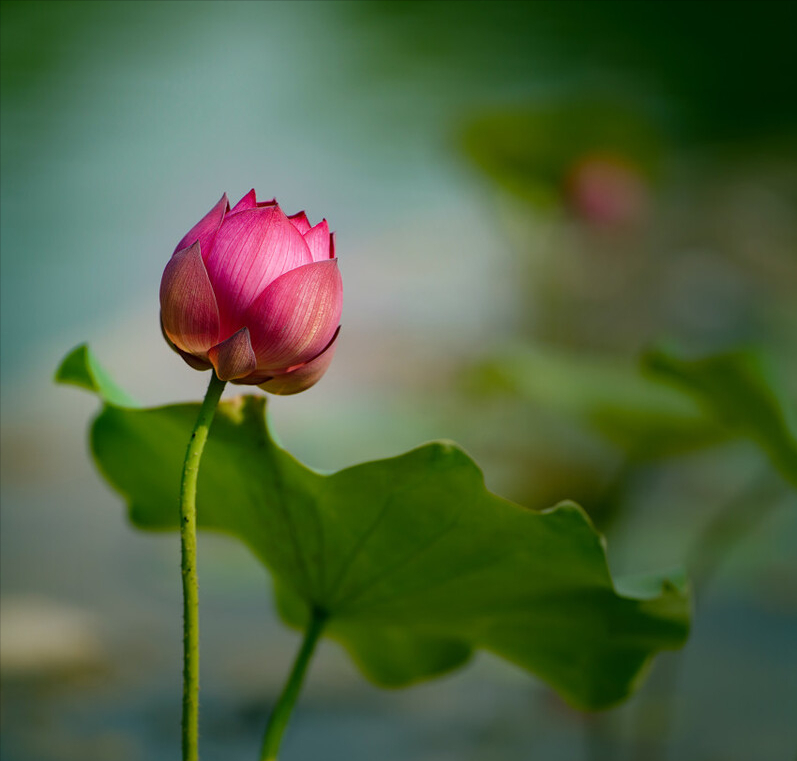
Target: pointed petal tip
207, 227
193, 249
318, 241
248, 201
300, 221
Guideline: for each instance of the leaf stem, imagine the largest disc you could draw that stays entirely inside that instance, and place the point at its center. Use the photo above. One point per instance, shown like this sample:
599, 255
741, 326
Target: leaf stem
282, 711
196, 444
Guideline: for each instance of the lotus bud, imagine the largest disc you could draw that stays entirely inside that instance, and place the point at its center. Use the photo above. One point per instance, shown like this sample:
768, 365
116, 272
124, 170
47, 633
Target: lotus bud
255, 295
607, 191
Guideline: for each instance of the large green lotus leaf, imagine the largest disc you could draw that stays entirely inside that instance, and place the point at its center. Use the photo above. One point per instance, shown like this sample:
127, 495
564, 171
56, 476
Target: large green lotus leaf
737, 389
415, 563
641, 417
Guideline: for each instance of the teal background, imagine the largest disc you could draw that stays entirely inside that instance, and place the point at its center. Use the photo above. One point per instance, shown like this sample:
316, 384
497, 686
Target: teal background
123, 122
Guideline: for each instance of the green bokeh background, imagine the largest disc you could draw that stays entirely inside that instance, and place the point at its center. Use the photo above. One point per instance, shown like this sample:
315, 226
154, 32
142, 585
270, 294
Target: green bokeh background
438, 139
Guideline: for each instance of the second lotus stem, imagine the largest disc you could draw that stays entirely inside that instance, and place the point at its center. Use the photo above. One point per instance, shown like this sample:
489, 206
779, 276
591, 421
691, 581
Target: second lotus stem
282, 710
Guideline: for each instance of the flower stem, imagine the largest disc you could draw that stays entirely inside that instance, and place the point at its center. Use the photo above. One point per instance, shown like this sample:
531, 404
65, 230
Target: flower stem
188, 554
282, 711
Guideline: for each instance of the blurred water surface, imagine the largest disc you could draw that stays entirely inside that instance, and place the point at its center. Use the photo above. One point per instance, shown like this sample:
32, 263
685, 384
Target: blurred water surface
122, 123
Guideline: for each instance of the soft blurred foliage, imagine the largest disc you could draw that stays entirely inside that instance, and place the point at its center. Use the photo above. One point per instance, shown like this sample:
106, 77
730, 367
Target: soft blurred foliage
528, 196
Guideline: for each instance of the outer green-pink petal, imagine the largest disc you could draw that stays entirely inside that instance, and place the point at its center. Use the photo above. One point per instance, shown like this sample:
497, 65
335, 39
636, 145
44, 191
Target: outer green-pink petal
304, 376
252, 249
234, 357
195, 362
205, 230
189, 312
295, 317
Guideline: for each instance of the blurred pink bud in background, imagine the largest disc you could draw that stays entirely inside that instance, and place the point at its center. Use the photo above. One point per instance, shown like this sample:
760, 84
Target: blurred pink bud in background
607, 191
254, 294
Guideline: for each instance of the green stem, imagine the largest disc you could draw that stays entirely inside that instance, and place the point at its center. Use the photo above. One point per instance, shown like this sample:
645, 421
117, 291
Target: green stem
282, 711
188, 553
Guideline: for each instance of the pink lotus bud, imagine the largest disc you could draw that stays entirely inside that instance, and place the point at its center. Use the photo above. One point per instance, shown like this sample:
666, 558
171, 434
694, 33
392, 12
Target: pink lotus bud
254, 294
607, 191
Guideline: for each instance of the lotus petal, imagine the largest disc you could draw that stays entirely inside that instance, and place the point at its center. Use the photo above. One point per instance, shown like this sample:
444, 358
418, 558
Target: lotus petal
300, 222
304, 376
296, 316
253, 248
233, 358
190, 359
249, 201
318, 240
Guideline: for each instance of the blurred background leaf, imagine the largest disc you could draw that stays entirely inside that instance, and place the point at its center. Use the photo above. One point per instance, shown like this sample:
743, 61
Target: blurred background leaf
640, 417
736, 389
